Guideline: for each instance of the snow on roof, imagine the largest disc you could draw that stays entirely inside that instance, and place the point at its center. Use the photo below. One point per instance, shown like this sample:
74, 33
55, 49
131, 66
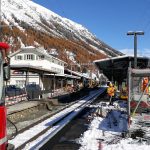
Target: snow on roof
32, 68
64, 75
118, 57
78, 74
28, 47
74, 72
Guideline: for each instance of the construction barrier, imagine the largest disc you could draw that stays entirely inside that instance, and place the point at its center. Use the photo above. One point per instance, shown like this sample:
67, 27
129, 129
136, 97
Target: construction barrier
15, 99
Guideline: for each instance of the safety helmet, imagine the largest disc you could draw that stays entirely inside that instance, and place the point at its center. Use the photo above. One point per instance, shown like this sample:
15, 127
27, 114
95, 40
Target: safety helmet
145, 79
110, 84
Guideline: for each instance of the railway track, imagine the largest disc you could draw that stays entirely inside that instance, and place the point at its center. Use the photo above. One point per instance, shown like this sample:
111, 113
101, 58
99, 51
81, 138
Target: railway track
30, 123
25, 115
51, 125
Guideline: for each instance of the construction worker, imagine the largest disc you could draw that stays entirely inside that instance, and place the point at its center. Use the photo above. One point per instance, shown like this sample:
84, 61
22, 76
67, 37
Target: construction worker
111, 93
145, 85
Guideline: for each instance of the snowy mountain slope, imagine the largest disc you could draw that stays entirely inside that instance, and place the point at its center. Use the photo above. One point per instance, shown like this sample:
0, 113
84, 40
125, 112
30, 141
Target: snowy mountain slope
25, 15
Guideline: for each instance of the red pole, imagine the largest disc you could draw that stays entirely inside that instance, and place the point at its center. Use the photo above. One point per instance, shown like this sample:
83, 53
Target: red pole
3, 135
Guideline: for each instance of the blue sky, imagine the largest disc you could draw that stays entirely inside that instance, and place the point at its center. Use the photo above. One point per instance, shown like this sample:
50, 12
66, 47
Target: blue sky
109, 20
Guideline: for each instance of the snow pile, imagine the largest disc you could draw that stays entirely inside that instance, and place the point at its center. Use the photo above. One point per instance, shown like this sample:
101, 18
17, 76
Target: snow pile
89, 141
126, 145
95, 139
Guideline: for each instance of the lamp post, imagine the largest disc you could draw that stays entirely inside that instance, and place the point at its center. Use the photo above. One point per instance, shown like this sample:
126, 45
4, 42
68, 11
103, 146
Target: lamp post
135, 44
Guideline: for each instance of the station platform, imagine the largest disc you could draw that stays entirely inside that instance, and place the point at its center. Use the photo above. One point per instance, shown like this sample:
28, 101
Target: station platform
27, 104
22, 106
61, 100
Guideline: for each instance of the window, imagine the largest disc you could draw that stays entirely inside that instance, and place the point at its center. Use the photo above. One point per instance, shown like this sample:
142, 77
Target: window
41, 57
18, 57
52, 60
56, 62
29, 57
59, 63
20, 83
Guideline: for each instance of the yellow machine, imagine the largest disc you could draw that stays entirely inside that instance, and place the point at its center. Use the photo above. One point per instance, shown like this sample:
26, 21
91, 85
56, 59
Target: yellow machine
124, 91
123, 96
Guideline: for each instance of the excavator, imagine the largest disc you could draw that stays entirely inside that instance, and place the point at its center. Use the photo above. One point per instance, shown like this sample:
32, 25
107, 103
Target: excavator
4, 76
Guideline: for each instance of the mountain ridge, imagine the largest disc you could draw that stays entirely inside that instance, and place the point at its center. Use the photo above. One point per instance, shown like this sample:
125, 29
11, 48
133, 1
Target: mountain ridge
26, 23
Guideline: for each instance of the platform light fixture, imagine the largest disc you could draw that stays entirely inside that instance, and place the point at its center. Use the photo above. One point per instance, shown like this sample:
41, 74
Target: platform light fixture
135, 44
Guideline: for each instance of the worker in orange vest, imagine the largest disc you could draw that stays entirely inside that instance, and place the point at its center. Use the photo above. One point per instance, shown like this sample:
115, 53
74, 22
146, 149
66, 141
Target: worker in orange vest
111, 93
145, 85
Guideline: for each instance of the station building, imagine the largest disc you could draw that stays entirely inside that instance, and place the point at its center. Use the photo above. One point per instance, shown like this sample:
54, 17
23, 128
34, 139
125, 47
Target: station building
34, 66
43, 73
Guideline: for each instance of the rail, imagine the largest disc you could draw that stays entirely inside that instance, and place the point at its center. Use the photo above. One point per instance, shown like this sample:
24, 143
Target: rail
44, 131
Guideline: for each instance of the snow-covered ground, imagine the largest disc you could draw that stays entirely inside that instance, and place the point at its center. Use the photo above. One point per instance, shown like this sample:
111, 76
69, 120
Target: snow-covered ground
104, 134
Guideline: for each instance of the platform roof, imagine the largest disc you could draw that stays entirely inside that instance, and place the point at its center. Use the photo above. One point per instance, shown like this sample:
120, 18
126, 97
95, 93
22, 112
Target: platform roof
39, 70
30, 68
116, 68
79, 74
67, 76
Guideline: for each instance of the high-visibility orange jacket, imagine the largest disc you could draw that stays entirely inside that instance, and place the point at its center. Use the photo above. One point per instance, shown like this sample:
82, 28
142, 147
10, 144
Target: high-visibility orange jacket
144, 85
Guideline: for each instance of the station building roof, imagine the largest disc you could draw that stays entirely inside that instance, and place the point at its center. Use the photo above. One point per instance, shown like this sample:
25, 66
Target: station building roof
68, 76
79, 74
116, 67
35, 69
30, 68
